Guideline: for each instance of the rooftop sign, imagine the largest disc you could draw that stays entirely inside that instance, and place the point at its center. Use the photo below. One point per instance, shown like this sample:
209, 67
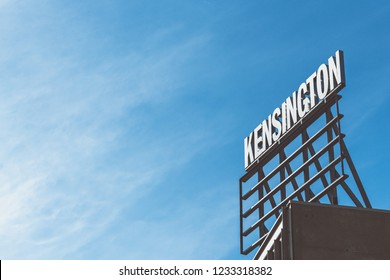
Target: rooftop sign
310, 93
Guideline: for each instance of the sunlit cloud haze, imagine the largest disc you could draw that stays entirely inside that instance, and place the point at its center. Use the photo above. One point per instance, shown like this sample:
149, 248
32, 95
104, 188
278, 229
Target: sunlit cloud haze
122, 122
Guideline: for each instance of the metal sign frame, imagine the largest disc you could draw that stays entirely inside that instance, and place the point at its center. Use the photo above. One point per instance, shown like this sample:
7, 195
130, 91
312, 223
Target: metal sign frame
318, 169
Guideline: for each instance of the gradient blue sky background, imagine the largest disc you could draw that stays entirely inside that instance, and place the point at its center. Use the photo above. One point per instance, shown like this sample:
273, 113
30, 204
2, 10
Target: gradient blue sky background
122, 122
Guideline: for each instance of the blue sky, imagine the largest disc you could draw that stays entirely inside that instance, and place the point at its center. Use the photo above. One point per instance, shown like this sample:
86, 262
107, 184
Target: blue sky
122, 122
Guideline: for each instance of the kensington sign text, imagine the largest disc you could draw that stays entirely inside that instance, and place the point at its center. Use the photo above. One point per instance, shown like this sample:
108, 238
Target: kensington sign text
320, 84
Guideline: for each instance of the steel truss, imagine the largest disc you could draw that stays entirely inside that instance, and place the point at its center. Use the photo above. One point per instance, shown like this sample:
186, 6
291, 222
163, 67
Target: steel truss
319, 169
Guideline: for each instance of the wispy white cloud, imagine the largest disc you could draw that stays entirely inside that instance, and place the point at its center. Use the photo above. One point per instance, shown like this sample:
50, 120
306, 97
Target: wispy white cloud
74, 153
193, 228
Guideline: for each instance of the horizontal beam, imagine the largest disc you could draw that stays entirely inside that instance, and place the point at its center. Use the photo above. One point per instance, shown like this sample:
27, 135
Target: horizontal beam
254, 245
306, 121
293, 175
290, 158
293, 195
333, 185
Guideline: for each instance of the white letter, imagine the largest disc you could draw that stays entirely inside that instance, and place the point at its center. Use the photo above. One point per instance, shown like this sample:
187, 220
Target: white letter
284, 118
259, 145
310, 82
322, 81
336, 70
276, 124
248, 150
267, 132
291, 110
302, 101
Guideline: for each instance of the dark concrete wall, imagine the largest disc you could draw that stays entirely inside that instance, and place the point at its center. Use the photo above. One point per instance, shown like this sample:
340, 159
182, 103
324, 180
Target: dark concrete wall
320, 231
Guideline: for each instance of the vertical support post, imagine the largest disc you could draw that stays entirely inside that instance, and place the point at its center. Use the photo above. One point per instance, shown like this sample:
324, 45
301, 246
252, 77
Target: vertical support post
338, 133
333, 193
241, 221
356, 177
305, 158
260, 194
282, 172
